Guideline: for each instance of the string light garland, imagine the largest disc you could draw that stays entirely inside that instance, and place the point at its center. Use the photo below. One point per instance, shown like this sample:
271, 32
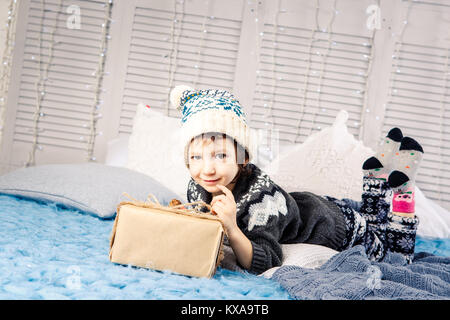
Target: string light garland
441, 125
367, 75
392, 91
321, 70
268, 114
306, 77
6, 61
329, 30
204, 32
398, 46
267, 105
258, 56
256, 51
174, 48
41, 81
99, 73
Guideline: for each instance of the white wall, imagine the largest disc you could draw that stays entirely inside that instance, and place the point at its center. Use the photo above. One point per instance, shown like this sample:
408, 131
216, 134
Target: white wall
3, 29
3, 15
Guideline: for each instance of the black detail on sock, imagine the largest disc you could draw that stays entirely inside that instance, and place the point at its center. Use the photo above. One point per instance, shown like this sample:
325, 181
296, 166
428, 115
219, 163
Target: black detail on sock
409, 143
397, 178
372, 163
395, 134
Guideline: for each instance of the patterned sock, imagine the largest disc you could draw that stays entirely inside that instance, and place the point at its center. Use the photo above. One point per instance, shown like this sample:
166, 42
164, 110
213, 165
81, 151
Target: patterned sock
373, 191
401, 235
380, 165
402, 179
376, 201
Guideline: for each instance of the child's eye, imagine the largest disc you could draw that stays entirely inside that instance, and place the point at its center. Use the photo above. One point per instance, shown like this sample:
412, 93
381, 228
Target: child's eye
221, 155
195, 157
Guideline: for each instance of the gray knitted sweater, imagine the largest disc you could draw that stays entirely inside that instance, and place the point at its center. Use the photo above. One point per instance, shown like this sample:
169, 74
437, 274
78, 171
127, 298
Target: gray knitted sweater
269, 217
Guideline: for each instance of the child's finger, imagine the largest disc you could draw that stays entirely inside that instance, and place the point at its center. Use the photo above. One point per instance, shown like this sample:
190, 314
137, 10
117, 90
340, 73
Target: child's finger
218, 204
216, 198
217, 209
226, 191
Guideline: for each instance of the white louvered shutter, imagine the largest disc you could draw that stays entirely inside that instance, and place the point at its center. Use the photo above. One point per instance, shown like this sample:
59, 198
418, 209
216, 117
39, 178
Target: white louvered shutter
305, 74
418, 98
167, 43
64, 123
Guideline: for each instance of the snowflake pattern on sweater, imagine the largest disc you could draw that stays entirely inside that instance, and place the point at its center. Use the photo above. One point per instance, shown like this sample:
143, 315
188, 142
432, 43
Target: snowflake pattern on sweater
271, 205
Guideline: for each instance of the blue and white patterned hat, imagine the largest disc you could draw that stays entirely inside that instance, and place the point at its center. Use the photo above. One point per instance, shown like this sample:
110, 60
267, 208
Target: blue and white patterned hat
211, 110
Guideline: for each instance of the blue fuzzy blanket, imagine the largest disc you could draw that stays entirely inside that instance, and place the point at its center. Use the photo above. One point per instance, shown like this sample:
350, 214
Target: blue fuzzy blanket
49, 252
351, 275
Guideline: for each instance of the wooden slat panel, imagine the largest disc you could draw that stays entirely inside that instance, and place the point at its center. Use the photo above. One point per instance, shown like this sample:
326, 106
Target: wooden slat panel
68, 100
209, 58
419, 101
289, 61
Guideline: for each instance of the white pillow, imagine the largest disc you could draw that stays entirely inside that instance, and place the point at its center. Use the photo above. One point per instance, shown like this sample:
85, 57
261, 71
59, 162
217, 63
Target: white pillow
154, 149
434, 220
94, 188
329, 162
303, 255
117, 152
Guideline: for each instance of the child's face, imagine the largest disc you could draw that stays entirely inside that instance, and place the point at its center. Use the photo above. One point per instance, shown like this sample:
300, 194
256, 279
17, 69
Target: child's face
212, 162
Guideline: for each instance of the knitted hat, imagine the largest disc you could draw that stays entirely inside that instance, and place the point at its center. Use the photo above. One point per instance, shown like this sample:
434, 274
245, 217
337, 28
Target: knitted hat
211, 110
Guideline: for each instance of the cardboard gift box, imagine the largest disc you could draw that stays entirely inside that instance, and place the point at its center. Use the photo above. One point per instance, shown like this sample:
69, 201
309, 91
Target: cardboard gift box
174, 238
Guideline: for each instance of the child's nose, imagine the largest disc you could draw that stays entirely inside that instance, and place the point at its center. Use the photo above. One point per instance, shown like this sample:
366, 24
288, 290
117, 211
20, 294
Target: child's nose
208, 166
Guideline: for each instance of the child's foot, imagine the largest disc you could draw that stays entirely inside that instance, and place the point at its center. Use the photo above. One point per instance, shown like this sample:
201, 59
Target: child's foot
402, 179
380, 165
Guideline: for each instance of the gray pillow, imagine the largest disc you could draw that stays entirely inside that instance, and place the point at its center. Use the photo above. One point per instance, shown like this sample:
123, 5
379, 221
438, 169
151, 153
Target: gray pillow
89, 187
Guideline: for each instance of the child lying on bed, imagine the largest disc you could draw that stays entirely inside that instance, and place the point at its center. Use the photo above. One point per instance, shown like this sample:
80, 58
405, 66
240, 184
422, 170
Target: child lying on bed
258, 215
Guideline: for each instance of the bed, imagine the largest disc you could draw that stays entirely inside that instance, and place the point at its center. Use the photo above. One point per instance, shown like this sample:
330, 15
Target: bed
56, 222
51, 252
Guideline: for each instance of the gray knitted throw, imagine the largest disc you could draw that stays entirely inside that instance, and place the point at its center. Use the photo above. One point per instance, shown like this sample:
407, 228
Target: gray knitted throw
351, 275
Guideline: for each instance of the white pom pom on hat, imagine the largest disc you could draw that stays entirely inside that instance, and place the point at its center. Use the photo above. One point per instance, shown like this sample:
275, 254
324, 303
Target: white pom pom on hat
176, 94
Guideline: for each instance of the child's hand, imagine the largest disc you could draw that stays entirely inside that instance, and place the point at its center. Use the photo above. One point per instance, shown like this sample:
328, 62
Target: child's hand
225, 207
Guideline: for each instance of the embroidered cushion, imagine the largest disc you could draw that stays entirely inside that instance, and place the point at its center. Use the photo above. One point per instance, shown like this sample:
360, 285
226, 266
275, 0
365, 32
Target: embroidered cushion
329, 162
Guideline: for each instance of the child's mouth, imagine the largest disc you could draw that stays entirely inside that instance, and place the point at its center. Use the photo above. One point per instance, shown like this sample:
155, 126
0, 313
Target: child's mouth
211, 181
